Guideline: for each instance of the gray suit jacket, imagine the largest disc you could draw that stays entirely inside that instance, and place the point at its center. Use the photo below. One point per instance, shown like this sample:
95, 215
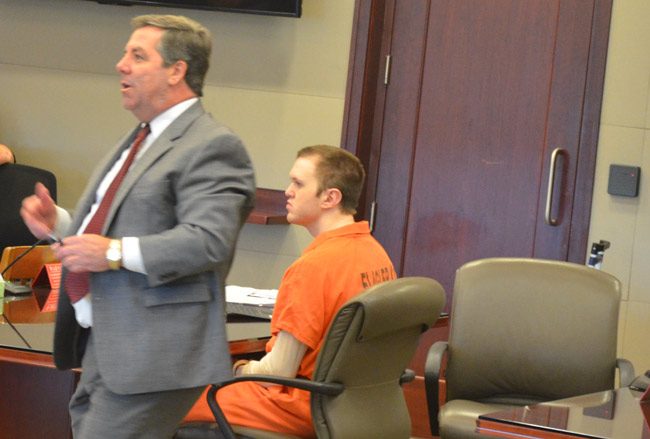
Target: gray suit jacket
186, 199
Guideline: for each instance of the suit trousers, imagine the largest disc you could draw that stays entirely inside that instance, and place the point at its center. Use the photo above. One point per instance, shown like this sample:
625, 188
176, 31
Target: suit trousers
98, 413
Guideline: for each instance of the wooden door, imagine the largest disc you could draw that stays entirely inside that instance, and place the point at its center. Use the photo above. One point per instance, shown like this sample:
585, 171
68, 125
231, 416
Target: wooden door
459, 146
480, 101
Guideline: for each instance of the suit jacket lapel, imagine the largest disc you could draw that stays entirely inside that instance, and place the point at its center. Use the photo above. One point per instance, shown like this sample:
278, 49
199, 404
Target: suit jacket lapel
158, 148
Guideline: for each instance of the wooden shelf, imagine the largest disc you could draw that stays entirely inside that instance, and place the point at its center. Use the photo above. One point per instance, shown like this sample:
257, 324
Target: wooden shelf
270, 207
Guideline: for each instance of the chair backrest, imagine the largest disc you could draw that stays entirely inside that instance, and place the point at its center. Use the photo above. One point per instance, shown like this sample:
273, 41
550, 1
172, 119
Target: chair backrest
369, 344
526, 330
16, 183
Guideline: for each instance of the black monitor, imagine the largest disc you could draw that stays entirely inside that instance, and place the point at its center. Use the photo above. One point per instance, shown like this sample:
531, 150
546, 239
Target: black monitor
287, 8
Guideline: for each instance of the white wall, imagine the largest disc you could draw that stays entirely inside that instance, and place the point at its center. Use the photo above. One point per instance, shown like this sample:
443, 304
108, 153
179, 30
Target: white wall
625, 139
278, 82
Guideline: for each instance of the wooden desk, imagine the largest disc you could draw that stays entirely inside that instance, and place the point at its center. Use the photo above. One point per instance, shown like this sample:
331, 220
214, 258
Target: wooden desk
35, 395
45, 391
614, 414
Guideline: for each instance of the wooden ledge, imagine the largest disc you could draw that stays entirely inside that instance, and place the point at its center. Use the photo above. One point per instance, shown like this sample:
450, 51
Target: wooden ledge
270, 207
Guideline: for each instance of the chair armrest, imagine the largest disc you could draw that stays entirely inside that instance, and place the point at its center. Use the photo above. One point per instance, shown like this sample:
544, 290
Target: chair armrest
407, 376
432, 368
331, 389
625, 371
641, 382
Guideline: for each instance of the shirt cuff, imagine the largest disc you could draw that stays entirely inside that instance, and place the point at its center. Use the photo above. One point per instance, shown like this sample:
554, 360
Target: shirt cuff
132, 255
83, 311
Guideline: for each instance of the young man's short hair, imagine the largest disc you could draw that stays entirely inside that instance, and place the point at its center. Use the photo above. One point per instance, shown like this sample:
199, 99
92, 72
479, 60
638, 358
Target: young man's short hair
337, 168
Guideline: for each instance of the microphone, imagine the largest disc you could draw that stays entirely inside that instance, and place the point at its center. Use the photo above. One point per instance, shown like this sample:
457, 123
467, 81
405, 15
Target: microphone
11, 287
20, 256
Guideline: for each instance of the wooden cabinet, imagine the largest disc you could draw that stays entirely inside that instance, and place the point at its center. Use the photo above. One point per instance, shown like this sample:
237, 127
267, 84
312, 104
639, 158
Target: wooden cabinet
35, 396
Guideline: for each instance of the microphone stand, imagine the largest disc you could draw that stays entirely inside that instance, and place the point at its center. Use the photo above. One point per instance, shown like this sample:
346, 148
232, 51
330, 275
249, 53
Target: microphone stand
7, 269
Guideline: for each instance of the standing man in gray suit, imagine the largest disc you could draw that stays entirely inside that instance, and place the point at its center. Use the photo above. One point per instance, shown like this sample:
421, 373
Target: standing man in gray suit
141, 307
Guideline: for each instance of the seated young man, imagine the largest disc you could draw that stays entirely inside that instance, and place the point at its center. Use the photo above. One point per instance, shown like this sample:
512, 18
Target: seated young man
341, 262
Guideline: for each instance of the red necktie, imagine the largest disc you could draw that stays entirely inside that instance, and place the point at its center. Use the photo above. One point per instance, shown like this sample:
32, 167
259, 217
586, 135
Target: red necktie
77, 284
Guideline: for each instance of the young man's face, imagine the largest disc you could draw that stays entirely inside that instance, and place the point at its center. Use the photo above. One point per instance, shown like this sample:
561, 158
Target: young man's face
303, 201
144, 81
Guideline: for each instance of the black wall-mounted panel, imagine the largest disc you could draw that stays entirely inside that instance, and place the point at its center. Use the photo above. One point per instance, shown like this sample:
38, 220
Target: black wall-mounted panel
624, 180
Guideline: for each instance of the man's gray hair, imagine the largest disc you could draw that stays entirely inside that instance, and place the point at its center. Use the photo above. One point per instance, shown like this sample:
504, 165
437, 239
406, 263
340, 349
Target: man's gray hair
184, 40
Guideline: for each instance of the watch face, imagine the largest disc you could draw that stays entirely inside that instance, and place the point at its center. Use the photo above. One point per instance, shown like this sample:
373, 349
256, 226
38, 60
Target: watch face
114, 254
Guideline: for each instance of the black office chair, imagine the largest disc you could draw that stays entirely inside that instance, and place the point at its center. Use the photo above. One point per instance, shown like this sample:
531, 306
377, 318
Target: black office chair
16, 183
355, 391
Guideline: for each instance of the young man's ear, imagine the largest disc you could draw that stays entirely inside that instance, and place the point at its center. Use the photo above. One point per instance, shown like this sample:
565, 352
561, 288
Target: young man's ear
332, 197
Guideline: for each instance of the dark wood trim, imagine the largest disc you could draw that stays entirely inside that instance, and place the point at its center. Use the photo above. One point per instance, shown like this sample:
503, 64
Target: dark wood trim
361, 94
499, 429
585, 173
360, 89
414, 392
30, 358
245, 347
270, 207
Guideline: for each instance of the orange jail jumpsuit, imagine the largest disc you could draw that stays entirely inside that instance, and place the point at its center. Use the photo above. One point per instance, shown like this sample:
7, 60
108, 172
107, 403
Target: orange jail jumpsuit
336, 266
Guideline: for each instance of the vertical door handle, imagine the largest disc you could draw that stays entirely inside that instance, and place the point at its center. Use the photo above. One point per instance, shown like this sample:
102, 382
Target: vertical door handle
551, 186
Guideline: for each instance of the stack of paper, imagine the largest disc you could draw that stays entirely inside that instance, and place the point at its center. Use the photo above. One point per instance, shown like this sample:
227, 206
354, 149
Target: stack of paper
250, 296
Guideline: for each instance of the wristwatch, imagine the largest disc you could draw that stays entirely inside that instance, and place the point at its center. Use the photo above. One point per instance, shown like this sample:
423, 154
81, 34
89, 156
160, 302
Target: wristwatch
114, 254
